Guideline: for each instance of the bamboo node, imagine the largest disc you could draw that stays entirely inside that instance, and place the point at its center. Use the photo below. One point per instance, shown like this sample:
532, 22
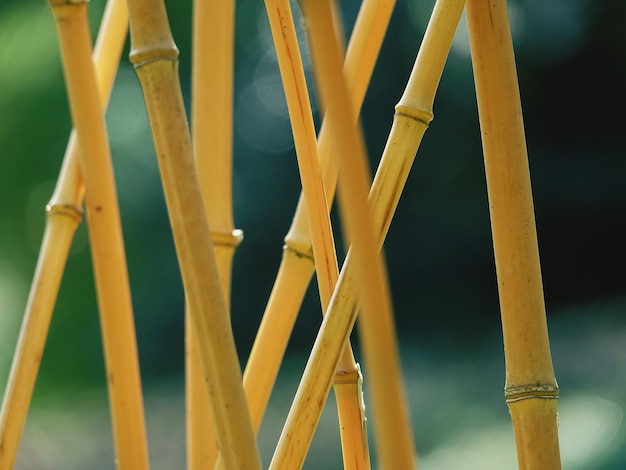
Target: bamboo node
348, 376
140, 57
419, 115
56, 3
524, 392
301, 250
69, 210
232, 238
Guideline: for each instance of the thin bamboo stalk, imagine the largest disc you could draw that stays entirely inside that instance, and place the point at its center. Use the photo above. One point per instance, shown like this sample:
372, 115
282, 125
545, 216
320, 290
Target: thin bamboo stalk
394, 435
354, 436
297, 264
63, 214
107, 247
155, 57
413, 113
212, 114
531, 389
298, 103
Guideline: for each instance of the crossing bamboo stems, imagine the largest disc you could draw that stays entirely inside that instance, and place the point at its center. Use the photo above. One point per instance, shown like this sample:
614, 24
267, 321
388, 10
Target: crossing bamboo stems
413, 113
531, 389
393, 431
297, 264
212, 96
114, 301
63, 214
155, 57
292, 73
299, 107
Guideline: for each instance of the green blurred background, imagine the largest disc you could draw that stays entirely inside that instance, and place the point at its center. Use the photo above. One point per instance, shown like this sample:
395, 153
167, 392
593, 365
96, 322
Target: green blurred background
571, 58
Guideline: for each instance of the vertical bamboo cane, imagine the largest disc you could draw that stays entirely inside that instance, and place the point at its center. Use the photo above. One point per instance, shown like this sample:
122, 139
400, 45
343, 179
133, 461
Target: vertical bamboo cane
105, 233
413, 113
63, 213
531, 389
212, 96
155, 57
297, 264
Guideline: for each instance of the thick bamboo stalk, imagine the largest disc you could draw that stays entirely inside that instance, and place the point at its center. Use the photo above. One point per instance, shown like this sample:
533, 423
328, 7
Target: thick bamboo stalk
155, 57
531, 389
63, 214
212, 114
297, 264
413, 114
114, 301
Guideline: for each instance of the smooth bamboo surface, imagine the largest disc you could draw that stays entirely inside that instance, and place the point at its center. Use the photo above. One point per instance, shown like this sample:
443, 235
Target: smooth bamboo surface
155, 57
212, 129
297, 264
107, 247
63, 214
413, 114
531, 387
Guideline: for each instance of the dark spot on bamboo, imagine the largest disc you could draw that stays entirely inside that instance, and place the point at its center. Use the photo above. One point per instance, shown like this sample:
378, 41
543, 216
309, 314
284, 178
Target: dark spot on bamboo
98, 208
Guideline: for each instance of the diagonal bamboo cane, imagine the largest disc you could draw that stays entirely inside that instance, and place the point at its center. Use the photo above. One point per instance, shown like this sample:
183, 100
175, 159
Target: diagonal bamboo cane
212, 81
63, 213
413, 113
531, 389
352, 418
394, 436
105, 233
155, 57
297, 264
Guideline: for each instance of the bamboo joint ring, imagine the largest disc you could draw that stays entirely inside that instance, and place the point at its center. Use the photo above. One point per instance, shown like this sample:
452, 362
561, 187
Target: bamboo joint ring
524, 392
69, 210
232, 238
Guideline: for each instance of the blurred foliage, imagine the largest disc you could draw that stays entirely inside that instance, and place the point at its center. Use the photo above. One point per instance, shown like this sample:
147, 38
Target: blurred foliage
571, 57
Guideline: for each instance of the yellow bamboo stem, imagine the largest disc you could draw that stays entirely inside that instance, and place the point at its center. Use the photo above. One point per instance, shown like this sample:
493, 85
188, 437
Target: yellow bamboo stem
393, 431
63, 213
531, 389
212, 81
413, 114
298, 103
297, 264
105, 233
292, 73
155, 57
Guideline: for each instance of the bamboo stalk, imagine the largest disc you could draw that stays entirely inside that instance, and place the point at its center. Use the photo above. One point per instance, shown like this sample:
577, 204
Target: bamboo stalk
212, 114
63, 214
297, 264
105, 233
531, 389
155, 57
413, 113
394, 435
354, 436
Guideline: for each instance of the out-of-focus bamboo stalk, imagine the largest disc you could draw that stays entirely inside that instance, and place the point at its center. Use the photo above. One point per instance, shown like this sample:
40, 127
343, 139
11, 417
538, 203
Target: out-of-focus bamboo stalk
155, 57
297, 264
531, 389
107, 247
63, 213
212, 114
413, 113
